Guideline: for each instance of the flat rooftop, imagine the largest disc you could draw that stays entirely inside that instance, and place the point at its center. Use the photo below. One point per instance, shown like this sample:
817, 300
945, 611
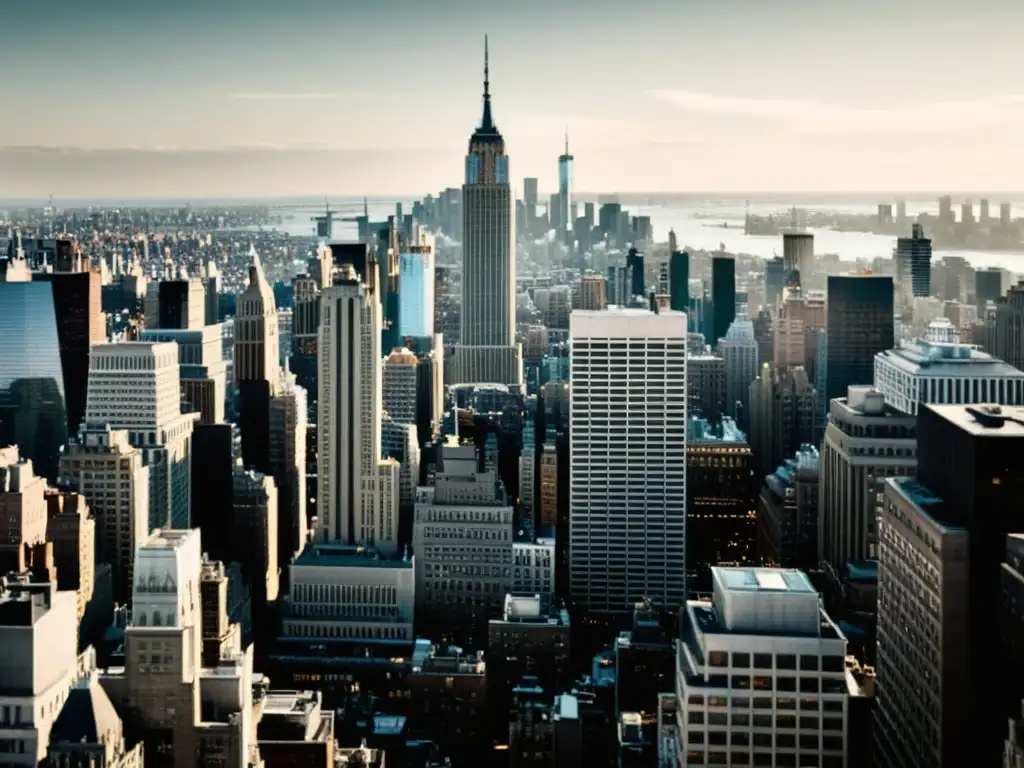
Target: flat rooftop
765, 580
169, 539
345, 556
995, 420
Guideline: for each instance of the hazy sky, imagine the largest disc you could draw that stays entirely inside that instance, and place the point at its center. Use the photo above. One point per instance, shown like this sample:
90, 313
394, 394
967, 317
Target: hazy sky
266, 97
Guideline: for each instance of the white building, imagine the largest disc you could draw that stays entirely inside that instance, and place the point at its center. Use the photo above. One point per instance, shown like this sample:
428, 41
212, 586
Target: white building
108, 471
533, 567
357, 498
344, 591
257, 343
627, 507
937, 369
135, 386
38, 665
761, 674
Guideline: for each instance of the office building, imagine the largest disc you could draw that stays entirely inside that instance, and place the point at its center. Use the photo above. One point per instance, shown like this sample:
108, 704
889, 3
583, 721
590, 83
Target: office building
201, 366
942, 543
103, 466
530, 196
679, 281
783, 416
988, 286
33, 410
488, 352
721, 523
176, 304
533, 566
342, 591
184, 710
355, 502
38, 666
913, 266
1004, 337
256, 352
798, 259
71, 530
80, 323
293, 728
592, 295
859, 325
286, 462
254, 529
134, 386
305, 330
798, 315
565, 205
628, 469
706, 384
531, 638
416, 298
739, 351
939, 369
23, 512
748, 658
463, 520
866, 441
774, 281
400, 377
1011, 623
787, 513
723, 296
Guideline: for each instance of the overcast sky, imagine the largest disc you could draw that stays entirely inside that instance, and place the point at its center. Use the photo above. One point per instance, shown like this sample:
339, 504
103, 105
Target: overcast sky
232, 97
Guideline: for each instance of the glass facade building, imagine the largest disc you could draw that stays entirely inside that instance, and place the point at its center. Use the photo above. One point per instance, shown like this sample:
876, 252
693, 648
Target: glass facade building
33, 412
416, 296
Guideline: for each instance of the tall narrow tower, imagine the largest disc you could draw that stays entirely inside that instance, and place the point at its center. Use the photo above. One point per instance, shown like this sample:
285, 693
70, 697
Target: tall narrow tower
565, 222
488, 352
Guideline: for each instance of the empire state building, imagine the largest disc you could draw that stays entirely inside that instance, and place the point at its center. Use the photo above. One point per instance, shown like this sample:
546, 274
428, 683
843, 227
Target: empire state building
488, 352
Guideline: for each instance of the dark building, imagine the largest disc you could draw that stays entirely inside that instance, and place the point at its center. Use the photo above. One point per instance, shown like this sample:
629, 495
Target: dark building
859, 325
608, 216
635, 266
723, 296
679, 281
1013, 613
174, 308
774, 280
1004, 333
214, 450
33, 414
720, 500
914, 261
706, 384
787, 513
305, 332
77, 298
970, 479
644, 660
988, 286
531, 639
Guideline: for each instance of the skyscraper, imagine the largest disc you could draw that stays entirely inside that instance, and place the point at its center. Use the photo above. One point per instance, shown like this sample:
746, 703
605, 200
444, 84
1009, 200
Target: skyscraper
357, 496
723, 296
913, 265
416, 300
739, 350
488, 352
859, 325
33, 415
256, 340
798, 258
679, 281
628, 471
135, 386
565, 222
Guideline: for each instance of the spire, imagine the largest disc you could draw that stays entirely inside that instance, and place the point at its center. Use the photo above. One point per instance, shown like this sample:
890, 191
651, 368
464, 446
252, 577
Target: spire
567, 141
487, 122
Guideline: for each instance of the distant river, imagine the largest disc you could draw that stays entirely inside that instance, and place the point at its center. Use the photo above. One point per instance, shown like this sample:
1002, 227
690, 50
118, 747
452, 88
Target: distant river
703, 233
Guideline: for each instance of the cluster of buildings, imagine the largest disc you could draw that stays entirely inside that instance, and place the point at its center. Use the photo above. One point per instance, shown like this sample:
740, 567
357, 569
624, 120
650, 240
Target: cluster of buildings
649, 508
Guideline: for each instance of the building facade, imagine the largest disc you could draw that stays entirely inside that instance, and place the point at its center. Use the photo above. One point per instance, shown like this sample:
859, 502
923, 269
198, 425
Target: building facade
627, 507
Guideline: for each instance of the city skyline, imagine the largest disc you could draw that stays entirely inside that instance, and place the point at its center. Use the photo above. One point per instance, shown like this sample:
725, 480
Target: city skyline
675, 97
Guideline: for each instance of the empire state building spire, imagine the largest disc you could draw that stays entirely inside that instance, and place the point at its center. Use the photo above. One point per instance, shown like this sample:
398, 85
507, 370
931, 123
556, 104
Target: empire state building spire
487, 127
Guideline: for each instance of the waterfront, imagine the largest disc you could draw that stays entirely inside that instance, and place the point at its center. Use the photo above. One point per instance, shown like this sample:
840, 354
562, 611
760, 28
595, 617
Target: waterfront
698, 226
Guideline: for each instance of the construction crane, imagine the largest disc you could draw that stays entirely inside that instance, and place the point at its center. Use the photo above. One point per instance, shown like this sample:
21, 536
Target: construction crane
325, 223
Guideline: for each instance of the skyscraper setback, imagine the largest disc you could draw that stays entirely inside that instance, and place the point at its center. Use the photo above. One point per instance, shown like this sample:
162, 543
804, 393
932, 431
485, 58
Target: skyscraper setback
488, 352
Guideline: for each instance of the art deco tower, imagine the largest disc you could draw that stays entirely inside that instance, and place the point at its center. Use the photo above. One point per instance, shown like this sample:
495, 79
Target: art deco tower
488, 352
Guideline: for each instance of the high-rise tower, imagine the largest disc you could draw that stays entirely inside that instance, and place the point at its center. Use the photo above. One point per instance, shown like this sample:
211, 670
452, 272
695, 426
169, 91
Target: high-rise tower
565, 221
488, 352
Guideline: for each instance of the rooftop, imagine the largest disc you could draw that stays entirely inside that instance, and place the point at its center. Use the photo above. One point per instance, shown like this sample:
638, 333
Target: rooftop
984, 420
701, 430
533, 609
764, 579
347, 556
942, 358
169, 539
925, 501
